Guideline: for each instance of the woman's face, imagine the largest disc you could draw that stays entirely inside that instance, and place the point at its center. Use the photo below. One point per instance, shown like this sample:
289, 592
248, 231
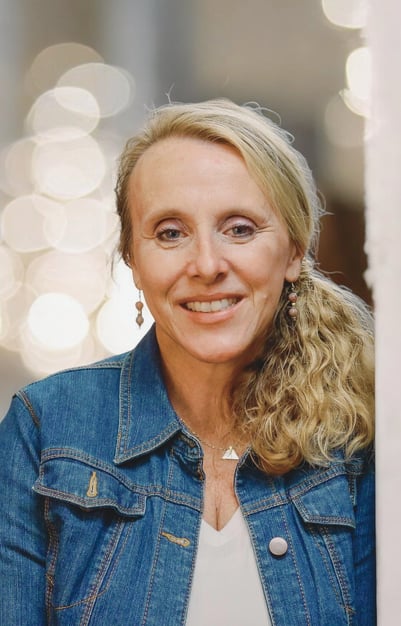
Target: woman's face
209, 252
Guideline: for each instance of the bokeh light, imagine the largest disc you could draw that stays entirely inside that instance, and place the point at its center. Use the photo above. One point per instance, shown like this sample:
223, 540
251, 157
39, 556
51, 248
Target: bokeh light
14, 311
59, 228
116, 327
358, 71
68, 169
350, 14
63, 108
115, 321
42, 360
85, 225
81, 276
346, 13
15, 167
11, 272
57, 321
54, 61
111, 86
23, 222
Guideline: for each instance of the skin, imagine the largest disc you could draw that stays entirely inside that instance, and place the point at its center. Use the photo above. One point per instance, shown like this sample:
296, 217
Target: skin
211, 256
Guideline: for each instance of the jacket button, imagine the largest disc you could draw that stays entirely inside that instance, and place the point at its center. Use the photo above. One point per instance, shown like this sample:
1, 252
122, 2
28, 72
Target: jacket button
278, 546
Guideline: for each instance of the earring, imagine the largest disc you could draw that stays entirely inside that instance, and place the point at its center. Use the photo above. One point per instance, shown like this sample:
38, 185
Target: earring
292, 302
139, 307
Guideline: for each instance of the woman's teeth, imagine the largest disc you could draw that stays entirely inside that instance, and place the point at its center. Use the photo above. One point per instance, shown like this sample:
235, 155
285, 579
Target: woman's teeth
211, 307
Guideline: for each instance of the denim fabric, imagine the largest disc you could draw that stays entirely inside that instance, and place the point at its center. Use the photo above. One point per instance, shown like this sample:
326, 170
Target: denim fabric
102, 490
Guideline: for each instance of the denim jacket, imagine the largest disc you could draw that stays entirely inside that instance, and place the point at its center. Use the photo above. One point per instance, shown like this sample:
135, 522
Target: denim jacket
102, 490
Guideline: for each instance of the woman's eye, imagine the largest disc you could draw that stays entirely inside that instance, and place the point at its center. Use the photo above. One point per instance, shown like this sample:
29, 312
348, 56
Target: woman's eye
169, 234
242, 231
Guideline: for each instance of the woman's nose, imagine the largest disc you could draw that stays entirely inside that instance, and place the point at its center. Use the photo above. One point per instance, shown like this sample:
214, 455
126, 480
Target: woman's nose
208, 262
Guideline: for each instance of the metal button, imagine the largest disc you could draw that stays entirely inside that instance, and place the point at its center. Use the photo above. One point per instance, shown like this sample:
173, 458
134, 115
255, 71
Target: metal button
278, 546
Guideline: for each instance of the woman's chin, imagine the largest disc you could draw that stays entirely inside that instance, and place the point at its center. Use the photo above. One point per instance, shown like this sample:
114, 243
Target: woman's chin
220, 355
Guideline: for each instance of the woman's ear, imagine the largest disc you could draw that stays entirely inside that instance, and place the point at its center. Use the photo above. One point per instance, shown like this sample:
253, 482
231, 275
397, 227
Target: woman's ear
135, 274
294, 264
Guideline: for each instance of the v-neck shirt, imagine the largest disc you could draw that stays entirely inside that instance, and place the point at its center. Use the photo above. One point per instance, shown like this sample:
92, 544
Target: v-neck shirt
226, 588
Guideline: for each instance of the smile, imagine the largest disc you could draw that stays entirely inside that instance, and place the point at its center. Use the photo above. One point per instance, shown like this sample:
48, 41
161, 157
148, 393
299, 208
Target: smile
211, 307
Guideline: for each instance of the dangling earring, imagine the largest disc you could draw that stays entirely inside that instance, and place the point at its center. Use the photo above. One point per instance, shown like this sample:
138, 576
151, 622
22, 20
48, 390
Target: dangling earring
139, 308
292, 302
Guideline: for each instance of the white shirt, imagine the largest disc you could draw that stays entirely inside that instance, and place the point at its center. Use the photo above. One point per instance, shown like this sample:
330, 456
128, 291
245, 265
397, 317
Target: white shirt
226, 589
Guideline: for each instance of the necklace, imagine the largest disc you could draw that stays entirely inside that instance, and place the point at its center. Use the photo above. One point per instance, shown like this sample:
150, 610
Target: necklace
229, 452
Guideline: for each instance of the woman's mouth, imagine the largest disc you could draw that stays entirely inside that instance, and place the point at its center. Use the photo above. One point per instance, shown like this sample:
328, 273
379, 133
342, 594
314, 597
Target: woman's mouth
211, 306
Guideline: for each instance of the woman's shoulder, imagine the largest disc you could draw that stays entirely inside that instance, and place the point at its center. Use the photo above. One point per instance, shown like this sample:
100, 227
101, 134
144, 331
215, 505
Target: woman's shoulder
340, 469
74, 396
333, 492
75, 380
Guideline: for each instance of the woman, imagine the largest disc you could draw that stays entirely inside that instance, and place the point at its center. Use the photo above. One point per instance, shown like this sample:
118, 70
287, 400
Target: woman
221, 472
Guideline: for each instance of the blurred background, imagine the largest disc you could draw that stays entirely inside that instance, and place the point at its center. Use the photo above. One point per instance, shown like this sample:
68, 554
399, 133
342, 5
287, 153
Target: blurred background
76, 80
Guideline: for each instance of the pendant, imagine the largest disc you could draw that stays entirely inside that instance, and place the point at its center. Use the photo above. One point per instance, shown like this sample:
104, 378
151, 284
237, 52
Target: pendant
230, 454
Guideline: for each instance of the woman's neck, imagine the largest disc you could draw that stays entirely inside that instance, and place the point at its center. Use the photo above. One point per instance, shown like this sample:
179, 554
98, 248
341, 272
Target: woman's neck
200, 392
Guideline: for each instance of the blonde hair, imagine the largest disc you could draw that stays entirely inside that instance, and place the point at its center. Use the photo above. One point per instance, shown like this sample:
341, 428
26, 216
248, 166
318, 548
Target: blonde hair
311, 391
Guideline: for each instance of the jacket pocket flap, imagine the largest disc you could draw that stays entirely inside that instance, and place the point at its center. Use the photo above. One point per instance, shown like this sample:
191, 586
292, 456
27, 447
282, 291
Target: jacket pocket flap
328, 503
87, 486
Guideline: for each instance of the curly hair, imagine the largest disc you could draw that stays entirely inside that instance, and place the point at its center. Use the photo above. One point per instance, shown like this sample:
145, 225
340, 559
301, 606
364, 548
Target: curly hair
311, 390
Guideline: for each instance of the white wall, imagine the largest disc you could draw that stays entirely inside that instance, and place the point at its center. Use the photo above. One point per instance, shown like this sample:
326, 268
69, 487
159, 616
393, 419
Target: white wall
383, 186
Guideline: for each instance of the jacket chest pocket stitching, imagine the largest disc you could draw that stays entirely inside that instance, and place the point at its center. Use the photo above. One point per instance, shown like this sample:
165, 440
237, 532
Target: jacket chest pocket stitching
334, 562
79, 483
90, 602
100, 577
76, 524
326, 504
52, 552
317, 536
339, 567
328, 517
298, 574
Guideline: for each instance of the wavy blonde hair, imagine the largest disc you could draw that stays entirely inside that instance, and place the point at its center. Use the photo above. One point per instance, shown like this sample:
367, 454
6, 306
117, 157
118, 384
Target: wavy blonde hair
311, 391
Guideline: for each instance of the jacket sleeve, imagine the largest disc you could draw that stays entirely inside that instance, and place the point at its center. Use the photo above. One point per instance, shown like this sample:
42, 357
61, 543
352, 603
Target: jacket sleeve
22, 528
364, 548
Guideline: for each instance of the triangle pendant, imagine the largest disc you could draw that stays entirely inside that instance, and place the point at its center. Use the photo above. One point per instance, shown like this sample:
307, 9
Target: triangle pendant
230, 454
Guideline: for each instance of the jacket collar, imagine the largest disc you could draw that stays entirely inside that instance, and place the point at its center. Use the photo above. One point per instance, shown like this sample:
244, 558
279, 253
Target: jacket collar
147, 419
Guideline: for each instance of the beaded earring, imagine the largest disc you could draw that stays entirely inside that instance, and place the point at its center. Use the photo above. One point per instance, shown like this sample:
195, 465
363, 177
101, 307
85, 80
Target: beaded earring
292, 302
139, 307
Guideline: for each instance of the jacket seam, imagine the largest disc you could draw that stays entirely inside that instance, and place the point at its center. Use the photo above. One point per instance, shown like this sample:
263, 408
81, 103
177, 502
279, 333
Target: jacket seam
309, 483
346, 598
102, 572
157, 552
316, 534
24, 398
125, 405
299, 578
94, 592
52, 554
154, 490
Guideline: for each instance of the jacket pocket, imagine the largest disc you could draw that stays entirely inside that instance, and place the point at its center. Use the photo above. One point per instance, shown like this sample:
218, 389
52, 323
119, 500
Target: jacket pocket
327, 517
328, 503
90, 510
88, 485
